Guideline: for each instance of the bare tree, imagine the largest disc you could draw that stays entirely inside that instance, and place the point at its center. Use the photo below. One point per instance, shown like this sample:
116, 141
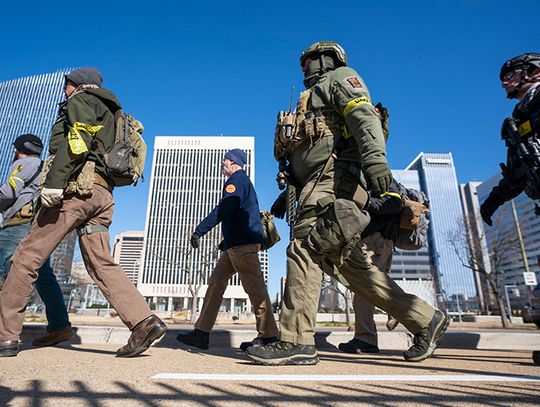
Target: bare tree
332, 284
470, 256
194, 263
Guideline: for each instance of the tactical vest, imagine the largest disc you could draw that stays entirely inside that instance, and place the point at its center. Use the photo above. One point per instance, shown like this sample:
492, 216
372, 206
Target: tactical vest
306, 137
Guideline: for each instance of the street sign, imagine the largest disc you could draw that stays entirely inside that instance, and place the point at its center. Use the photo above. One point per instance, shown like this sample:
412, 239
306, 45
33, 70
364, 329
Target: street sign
530, 278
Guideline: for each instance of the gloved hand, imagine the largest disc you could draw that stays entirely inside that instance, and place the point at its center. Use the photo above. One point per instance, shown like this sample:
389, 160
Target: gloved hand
488, 208
379, 178
195, 240
51, 196
279, 207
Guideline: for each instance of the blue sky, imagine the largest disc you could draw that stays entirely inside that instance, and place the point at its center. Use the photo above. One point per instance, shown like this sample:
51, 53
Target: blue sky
212, 68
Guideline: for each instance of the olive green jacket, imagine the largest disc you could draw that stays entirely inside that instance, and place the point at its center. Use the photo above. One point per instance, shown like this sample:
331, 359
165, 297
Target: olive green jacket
93, 107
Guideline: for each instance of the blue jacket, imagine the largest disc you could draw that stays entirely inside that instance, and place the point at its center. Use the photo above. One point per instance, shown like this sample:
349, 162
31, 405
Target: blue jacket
238, 211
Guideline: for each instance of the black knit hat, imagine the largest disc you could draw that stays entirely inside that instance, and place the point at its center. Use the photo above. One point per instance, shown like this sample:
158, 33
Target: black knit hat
29, 144
85, 76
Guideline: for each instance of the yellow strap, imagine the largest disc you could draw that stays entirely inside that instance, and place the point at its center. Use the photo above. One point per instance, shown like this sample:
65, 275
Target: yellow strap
525, 128
362, 100
13, 178
75, 140
394, 194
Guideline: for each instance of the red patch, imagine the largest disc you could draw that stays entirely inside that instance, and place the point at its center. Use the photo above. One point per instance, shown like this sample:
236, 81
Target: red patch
230, 188
355, 82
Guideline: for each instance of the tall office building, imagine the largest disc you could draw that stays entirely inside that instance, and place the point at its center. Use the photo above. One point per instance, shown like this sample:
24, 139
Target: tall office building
185, 186
30, 105
438, 180
513, 242
127, 252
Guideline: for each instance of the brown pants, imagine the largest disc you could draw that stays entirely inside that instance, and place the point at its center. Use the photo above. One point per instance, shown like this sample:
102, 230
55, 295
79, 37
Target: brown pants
379, 251
243, 260
49, 228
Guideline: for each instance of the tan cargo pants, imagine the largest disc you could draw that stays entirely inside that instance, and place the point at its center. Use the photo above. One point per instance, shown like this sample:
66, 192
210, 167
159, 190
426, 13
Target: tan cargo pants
49, 228
379, 251
304, 276
243, 260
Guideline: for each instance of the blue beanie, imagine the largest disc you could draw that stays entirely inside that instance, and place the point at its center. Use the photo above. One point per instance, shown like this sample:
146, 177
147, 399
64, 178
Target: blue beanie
237, 156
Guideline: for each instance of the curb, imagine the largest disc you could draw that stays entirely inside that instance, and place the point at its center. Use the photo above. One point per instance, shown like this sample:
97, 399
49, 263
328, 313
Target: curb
324, 339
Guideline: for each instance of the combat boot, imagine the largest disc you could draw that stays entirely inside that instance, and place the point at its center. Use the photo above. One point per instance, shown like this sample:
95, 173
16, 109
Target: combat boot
536, 357
283, 353
9, 348
142, 336
426, 341
257, 342
358, 346
197, 338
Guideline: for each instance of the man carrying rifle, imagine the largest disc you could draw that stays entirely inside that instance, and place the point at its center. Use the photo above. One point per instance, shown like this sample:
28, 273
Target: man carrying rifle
520, 77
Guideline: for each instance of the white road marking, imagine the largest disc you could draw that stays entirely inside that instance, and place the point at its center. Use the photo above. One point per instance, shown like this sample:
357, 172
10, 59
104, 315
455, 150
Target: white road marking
346, 378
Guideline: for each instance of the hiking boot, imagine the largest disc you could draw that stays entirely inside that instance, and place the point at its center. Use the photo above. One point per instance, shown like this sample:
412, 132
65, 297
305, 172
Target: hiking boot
257, 342
197, 338
391, 323
9, 348
142, 336
283, 353
54, 337
536, 357
426, 341
358, 346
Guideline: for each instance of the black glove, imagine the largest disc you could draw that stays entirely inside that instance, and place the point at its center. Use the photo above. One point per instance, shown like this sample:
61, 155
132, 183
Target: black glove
279, 207
379, 178
488, 208
195, 240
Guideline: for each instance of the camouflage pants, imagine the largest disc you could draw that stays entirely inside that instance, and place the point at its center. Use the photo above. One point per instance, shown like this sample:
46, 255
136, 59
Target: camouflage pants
305, 268
379, 251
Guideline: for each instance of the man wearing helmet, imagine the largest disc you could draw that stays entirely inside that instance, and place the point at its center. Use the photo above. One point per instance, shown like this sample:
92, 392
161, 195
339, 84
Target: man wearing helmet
332, 149
520, 78
17, 210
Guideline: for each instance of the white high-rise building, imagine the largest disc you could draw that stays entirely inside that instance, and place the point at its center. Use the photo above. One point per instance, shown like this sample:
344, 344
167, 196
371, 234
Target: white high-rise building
185, 186
127, 251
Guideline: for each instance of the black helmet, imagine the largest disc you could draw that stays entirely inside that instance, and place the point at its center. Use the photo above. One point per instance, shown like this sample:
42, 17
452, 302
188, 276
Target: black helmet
325, 47
524, 62
29, 144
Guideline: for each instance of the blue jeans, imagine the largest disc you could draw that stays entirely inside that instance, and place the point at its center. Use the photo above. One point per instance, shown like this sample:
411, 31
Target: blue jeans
46, 284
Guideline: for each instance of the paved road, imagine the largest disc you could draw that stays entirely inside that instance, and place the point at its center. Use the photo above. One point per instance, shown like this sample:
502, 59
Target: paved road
87, 374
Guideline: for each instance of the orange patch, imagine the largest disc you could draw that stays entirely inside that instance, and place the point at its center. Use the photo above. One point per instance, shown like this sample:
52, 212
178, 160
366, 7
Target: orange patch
230, 188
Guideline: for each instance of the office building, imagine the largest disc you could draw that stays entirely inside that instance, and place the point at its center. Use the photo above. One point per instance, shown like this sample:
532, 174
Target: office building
185, 185
127, 252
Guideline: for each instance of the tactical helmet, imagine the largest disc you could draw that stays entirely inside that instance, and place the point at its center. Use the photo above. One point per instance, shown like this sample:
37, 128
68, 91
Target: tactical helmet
522, 62
29, 144
321, 47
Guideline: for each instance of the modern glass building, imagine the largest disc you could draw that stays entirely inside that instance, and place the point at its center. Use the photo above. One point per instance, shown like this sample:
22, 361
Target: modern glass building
513, 243
30, 105
438, 180
185, 185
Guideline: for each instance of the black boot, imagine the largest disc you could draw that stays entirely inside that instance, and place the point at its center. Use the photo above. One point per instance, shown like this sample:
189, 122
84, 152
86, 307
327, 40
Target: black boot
257, 342
358, 346
196, 338
536, 357
426, 341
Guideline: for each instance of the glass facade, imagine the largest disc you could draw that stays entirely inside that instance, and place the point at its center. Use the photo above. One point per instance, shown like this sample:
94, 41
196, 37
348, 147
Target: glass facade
30, 105
438, 180
503, 239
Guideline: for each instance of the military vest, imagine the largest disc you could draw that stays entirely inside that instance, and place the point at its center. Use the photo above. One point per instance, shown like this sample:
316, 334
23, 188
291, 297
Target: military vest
306, 138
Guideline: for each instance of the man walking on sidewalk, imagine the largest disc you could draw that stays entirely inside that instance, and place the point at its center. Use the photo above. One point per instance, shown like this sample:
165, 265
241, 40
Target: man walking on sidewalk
77, 195
238, 212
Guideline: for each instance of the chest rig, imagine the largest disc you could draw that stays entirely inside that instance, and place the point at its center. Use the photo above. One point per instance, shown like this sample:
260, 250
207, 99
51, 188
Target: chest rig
305, 124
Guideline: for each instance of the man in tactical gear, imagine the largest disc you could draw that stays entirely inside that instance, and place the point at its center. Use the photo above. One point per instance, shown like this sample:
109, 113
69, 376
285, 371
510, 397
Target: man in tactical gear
333, 150
17, 209
77, 194
239, 215
520, 78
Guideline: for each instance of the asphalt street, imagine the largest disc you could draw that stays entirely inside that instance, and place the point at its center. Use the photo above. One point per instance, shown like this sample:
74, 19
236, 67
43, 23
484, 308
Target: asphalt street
89, 375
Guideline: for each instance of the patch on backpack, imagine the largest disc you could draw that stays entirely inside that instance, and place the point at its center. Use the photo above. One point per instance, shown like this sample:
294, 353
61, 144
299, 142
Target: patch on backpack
355, 82
230, 188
